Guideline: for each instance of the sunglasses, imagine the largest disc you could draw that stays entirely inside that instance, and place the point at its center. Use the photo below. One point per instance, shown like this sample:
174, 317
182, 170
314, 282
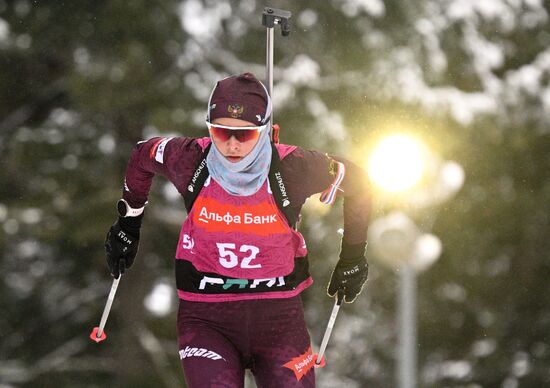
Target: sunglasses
242, 134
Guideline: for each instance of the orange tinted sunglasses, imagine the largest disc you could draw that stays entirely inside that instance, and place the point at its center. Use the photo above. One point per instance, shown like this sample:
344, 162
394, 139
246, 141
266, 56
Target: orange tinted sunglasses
242, 134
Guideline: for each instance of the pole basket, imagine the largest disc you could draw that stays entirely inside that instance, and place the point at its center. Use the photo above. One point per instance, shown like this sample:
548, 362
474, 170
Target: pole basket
95, 337
321, 363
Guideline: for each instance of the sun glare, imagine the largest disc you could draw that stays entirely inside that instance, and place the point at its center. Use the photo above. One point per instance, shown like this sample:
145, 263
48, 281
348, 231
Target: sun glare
397, 163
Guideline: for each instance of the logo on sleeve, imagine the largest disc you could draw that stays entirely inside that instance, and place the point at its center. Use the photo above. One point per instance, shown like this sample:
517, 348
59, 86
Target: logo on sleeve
159, 155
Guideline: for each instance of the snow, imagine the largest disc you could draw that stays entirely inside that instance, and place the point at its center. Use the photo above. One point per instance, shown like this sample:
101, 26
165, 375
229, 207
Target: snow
484, 347
510, 382
521, 365
27, 249
303, 71
336, 130
20, 283
374, 8
455, 369
160, 300
196, 85
22, 8
484, 10
203, 22
63, 117
31, 215
453, 292
11, 226
106, 144
307, 18
23, 41
70, 162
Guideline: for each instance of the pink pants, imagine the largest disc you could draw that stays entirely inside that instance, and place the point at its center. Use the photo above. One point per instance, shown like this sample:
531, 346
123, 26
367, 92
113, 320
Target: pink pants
218, 341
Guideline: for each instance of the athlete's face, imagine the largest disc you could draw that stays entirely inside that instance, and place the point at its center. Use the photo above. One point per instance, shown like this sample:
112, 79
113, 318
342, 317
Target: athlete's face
229, 145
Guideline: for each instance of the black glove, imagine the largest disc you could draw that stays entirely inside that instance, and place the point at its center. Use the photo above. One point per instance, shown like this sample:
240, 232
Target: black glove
121, 244
350, 273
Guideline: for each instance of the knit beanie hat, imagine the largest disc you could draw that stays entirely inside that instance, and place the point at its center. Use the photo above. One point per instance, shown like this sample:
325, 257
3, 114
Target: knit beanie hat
240, 97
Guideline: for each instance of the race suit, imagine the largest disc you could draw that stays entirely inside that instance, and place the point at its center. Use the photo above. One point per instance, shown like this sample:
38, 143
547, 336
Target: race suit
240, 266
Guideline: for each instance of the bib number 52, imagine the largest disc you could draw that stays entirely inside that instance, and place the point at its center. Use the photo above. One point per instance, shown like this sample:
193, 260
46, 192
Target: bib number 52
229, 259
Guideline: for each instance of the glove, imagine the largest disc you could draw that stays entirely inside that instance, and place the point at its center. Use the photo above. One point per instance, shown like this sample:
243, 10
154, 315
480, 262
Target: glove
121, 244
350, 274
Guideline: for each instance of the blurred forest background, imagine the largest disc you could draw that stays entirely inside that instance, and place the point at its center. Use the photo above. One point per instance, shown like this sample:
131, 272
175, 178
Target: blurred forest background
82, 82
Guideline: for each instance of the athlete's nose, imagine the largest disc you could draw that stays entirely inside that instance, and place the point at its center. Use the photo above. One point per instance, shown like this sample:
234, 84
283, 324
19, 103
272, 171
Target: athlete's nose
233, 143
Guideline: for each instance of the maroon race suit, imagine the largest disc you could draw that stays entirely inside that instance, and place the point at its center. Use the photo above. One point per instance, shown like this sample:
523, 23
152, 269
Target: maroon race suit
240, 267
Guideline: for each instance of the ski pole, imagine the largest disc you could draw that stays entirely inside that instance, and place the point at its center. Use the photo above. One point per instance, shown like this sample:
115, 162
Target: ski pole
320, 362
98, 333
270, 18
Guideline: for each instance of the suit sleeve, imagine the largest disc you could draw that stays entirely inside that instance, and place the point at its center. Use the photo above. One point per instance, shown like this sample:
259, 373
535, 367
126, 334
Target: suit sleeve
357, 209
174, 158
312, 172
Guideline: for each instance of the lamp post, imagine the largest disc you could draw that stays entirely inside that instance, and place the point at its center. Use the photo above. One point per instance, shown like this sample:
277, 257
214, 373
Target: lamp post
407, 327
392, 241
396, 166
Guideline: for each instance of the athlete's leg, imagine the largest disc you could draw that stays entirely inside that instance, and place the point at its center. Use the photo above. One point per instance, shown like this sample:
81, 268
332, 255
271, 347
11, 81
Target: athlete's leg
281, 346
208, 358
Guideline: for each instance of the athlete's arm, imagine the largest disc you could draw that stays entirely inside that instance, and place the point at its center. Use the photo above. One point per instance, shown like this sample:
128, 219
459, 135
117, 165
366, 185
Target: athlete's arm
315, 172
310, 172
175, 158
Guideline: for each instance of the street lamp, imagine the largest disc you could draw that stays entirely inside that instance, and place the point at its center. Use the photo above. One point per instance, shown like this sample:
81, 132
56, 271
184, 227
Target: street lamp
397, 163
397, 242
396, 166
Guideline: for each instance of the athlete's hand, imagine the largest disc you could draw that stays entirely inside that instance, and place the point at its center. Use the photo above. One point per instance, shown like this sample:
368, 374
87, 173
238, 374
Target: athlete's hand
350, 277
121, 244
351, 272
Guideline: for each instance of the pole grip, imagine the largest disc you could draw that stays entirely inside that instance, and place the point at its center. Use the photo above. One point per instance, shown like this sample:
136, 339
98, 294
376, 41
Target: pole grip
340, 297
